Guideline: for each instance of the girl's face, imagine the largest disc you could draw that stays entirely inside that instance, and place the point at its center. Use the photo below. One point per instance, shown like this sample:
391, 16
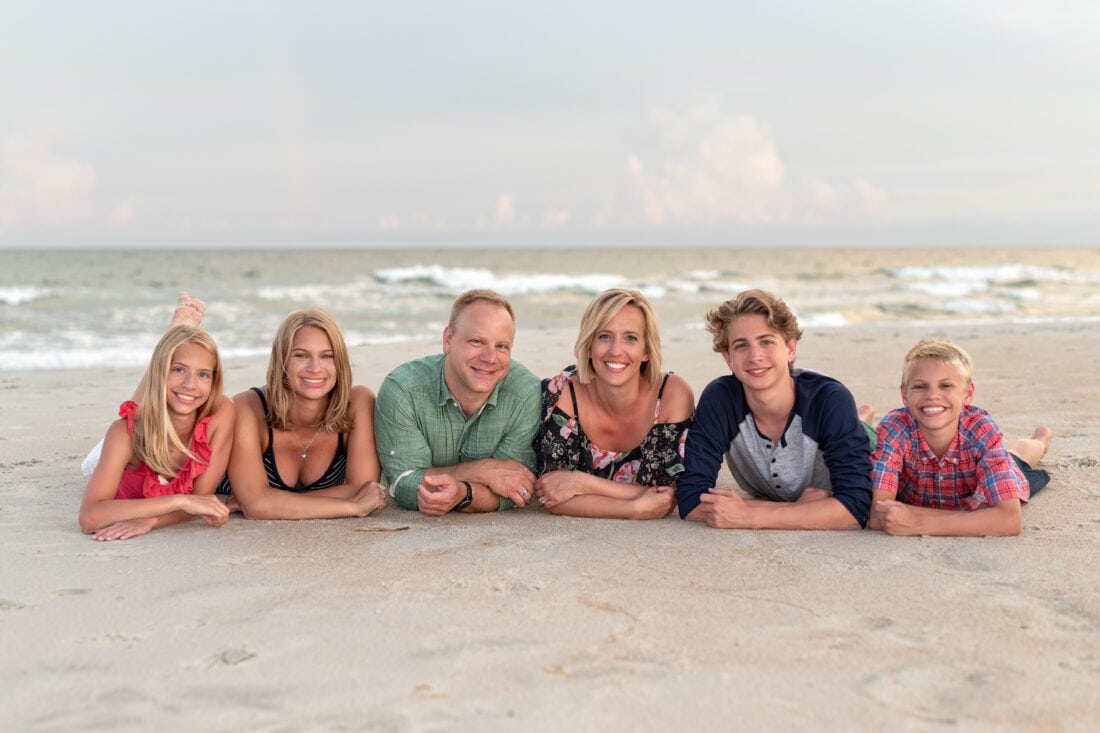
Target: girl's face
190, 379
311, 368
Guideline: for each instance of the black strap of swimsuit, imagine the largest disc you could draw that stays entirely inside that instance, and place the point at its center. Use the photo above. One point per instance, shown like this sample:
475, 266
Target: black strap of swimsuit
573, 394
270, 433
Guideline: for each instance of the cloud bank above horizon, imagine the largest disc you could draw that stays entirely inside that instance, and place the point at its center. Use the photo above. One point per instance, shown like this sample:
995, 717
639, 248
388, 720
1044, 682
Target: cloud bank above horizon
490, 124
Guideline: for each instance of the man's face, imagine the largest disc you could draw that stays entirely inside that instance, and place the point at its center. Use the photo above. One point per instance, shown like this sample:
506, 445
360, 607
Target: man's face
478, 352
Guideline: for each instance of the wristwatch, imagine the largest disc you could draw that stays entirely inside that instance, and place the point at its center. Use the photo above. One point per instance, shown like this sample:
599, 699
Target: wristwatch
468, 500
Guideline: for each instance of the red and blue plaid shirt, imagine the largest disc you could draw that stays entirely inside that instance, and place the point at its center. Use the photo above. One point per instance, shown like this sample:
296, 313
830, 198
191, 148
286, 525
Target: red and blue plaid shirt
976, 470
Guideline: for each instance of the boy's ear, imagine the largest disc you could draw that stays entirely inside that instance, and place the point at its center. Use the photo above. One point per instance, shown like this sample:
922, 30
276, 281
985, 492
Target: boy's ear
904, 396
968, 395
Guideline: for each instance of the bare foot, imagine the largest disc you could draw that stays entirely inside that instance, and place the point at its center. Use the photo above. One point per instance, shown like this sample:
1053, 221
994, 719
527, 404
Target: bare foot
866, 413
189, 311
1031, 450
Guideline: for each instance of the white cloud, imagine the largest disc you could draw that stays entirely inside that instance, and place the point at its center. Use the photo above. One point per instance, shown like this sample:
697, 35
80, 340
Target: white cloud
122, 215
555, 218
506, 210
389, 223
713, 169
710, 169
1048, 17
37, 183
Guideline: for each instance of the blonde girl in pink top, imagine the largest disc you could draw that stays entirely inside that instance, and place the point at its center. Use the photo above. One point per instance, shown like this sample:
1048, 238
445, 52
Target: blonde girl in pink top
162, 460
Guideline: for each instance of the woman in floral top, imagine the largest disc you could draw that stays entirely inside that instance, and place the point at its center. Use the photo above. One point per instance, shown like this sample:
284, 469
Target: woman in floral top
612, 438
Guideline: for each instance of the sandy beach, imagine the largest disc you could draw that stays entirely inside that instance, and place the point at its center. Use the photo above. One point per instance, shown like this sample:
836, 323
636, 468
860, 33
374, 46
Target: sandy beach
526, 621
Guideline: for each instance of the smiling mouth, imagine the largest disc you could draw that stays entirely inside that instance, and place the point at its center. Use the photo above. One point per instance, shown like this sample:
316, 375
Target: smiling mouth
933, 410
614, 365
186, 399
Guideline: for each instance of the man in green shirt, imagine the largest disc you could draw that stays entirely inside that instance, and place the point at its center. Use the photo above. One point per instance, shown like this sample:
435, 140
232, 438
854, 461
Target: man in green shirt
454, 430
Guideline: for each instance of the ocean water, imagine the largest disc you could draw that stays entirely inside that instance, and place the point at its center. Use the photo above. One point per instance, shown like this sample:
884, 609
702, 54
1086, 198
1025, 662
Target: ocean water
82, 309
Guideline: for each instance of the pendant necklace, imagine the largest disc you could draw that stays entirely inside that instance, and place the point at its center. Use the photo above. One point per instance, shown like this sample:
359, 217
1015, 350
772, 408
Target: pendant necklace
305, 450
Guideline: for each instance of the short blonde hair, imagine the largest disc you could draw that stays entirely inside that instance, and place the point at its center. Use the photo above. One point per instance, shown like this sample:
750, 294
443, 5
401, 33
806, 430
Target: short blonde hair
338, 416
941, 350
596, 316
154, 436
472, 296
779, 316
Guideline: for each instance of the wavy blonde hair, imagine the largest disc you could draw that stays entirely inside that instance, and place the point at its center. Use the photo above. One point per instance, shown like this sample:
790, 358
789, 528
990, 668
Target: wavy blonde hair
596, 316
154, 435
338, 417
778, 314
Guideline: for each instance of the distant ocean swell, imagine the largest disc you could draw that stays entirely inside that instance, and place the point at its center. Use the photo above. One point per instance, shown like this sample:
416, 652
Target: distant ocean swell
60, 314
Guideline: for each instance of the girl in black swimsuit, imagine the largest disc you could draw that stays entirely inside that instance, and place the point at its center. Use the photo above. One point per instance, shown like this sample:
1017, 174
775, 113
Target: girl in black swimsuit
303, 445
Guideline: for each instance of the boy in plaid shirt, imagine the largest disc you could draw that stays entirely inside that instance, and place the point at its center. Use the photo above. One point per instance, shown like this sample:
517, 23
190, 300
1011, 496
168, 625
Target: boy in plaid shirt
940, 466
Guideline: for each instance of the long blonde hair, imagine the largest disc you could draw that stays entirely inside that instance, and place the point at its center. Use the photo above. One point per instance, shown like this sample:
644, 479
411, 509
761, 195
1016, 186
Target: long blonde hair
338, 416
154, 434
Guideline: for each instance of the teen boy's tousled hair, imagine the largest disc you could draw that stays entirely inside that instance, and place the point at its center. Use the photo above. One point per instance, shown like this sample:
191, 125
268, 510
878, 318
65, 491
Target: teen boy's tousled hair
472, 296
337, 416
941, 350
154, 436
596, 316
759, 302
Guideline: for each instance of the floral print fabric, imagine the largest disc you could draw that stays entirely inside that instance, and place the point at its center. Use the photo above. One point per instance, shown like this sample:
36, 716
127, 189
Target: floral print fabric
562, 445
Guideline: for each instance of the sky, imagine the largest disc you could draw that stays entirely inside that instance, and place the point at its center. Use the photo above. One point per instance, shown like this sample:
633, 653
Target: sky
564, 124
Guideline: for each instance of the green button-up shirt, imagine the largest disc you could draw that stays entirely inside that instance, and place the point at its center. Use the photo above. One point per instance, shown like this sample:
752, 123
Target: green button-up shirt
418, 424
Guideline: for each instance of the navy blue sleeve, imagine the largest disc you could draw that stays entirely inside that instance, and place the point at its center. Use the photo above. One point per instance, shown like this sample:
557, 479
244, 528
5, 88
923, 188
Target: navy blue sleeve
846, 448
707, 442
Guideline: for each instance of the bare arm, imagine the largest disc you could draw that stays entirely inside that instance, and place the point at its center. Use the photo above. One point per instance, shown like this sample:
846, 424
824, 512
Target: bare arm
726, 509
651, 503
100, 509
502, 477
1002, 519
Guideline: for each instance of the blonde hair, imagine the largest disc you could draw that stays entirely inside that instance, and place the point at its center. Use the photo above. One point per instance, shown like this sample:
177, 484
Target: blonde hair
280, 396
472, 296
779, 316
154, 435
599, 313
941, 350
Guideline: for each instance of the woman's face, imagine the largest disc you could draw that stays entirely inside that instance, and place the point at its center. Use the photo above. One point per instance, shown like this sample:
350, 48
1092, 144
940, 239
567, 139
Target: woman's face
619, 350
311, 365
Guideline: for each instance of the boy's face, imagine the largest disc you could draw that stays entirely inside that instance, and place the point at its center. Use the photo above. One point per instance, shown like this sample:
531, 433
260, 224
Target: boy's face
936, 393
757, 355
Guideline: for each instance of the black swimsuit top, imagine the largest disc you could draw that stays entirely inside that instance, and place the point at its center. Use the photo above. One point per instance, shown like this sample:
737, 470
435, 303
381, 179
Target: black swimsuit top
334, 475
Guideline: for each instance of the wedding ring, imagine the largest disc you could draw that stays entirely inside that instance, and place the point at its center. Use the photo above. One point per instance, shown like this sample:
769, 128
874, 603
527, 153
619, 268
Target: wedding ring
523, 493
542, 500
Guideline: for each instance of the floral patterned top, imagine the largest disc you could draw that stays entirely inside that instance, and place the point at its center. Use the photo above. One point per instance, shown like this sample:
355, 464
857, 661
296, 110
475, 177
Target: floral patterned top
562, 445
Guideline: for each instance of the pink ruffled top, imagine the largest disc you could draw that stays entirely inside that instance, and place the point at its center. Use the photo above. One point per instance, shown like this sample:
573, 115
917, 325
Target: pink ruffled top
141, 481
